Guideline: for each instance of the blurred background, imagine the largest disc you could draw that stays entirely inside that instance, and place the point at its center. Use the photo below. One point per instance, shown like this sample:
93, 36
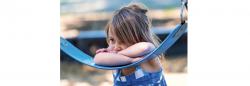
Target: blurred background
83, 22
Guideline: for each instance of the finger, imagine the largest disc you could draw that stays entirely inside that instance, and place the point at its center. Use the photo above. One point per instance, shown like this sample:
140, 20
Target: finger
97, 51
101, 50
113, 51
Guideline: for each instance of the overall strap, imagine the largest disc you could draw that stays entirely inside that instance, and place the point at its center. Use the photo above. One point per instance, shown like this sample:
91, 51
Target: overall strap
137, 67
118, 73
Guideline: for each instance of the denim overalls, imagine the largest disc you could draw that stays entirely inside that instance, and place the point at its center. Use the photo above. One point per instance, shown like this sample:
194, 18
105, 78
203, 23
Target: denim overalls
139, 78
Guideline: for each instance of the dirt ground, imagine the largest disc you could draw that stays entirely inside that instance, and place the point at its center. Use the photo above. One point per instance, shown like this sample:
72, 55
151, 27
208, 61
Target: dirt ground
173, 79
73, 74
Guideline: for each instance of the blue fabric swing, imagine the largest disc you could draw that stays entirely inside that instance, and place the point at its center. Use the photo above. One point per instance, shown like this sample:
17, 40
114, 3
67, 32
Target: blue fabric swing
80, 56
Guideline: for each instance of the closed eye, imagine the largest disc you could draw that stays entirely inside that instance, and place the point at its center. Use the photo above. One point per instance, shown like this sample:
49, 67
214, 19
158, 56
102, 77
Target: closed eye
111, 40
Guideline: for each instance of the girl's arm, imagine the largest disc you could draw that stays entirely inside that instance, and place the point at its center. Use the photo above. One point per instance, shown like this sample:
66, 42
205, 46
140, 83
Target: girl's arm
138, 49
113, 59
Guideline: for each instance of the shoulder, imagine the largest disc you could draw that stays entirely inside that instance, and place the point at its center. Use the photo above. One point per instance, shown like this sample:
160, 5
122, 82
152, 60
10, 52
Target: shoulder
151, 65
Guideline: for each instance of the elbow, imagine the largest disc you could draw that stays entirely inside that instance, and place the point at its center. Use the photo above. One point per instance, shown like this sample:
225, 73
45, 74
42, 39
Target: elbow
147, 47
151, 47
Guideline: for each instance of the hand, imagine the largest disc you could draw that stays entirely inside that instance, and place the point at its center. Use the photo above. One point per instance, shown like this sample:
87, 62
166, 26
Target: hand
101, 50
112, 51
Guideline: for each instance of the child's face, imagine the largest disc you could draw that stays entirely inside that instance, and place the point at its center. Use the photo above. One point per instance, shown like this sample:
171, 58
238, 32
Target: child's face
114, 43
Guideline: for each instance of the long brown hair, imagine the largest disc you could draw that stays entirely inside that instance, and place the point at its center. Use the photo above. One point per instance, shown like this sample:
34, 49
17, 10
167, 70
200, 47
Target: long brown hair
131, 25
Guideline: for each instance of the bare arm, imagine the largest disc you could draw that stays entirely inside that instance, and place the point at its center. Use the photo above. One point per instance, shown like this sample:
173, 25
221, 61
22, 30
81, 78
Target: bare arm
138, 49
126, 56
113, 59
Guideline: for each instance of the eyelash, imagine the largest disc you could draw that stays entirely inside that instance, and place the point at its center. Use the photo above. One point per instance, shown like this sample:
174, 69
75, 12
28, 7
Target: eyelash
112, 40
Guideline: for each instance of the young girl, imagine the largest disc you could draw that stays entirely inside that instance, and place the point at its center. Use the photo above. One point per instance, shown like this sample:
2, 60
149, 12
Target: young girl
129, 38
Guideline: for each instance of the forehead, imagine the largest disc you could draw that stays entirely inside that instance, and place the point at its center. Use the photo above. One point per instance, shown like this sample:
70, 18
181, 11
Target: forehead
111, 33
118, 38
